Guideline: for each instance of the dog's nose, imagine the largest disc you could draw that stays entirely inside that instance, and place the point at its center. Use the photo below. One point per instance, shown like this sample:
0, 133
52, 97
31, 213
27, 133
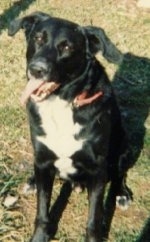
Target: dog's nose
38, 69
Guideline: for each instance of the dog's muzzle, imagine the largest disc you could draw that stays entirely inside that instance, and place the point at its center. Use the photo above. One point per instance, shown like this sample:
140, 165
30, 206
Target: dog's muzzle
38, 90
38, 69
39, 86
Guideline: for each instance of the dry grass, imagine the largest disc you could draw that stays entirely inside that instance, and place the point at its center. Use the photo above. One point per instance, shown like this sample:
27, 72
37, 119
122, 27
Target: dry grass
128, 27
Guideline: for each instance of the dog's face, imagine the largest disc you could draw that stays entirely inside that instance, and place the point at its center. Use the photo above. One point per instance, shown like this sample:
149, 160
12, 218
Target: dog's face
56, 54
58, 51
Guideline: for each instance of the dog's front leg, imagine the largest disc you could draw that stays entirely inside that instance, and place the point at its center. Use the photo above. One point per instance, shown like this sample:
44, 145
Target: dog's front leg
44, 178
96, 189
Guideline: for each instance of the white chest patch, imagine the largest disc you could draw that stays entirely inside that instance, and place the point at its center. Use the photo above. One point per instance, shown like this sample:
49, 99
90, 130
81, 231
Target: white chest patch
60, 129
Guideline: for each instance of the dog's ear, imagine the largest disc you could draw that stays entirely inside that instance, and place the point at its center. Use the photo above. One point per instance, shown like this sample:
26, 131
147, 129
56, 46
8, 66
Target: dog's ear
26, 23
98, 41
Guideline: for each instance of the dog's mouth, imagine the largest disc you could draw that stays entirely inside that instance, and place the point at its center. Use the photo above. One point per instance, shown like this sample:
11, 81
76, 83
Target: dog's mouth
38, 90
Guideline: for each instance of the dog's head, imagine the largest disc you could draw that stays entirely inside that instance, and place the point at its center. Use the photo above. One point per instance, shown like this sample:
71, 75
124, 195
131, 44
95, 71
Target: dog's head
59, 51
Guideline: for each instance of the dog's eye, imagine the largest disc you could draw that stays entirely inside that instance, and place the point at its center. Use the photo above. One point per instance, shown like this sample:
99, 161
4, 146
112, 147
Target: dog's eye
39, 40
65, 47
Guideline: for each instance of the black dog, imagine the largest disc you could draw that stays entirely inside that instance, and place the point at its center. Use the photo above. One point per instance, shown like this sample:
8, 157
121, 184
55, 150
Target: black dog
75, 122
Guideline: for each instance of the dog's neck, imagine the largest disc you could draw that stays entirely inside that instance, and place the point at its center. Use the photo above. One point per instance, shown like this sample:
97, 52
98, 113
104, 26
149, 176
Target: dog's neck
85, 88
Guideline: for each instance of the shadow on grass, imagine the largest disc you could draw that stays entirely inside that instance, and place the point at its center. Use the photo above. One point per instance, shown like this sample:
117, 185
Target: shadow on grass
12, 12
132, 87
145, 234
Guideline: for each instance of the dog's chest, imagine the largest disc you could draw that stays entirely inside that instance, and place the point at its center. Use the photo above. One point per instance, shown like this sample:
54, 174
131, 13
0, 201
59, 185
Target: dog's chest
60, 131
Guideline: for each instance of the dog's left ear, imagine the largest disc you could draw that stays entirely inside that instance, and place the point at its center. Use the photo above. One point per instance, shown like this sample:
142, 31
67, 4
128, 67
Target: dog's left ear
98, 41
26, 23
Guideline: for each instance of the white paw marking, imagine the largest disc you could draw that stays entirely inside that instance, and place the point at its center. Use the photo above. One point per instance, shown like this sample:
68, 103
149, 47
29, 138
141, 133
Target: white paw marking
122, 202
29, 189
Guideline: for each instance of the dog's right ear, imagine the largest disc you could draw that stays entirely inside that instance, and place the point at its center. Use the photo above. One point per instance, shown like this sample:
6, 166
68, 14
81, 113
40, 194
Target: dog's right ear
26, 23
99, 41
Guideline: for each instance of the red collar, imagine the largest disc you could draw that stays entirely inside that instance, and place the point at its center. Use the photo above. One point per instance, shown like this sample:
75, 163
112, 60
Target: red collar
83, 99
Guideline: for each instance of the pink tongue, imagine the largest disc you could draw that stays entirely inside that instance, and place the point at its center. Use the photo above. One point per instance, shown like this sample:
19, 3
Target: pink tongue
30, 88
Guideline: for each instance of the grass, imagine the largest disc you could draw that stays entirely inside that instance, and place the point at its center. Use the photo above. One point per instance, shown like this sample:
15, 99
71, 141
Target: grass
128, 27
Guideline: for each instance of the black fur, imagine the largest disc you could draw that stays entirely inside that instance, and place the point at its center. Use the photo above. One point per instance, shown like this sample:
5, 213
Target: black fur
105, 153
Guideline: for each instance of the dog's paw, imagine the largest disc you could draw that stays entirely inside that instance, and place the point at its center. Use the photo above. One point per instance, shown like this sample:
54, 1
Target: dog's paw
41, 234
30, 186
123, 202
29, 189
40, 238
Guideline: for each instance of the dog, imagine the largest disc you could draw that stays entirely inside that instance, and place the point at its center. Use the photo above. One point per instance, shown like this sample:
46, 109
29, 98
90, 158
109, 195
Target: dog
75, 122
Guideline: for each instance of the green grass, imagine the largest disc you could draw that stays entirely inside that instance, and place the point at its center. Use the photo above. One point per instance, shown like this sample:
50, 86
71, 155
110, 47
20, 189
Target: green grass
128, 27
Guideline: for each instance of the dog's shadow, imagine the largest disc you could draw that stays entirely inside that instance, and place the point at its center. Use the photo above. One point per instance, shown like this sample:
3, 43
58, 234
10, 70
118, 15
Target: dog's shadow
132, 87
131, 84
12, 12
144, 235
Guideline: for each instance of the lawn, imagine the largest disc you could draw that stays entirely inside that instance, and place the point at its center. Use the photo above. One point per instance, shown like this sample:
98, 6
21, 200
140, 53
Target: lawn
129, 28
